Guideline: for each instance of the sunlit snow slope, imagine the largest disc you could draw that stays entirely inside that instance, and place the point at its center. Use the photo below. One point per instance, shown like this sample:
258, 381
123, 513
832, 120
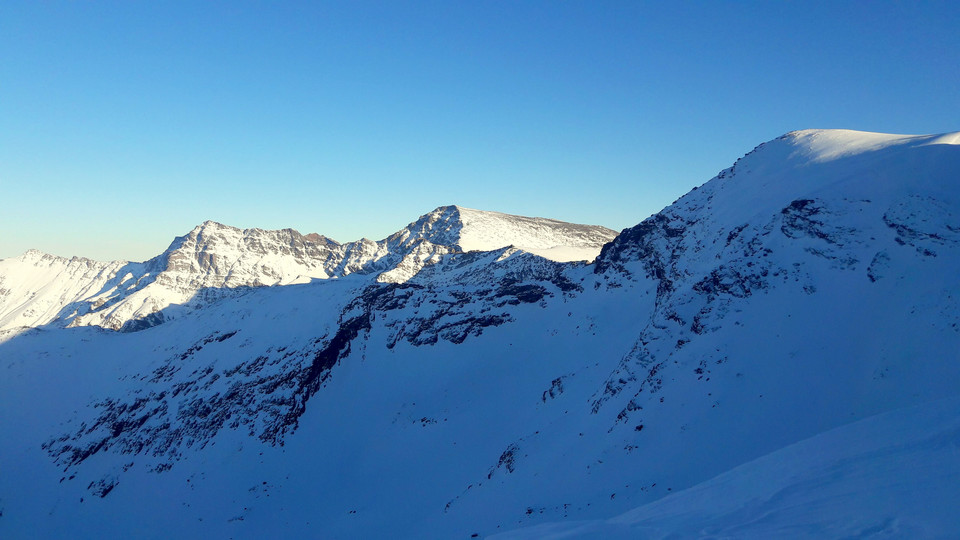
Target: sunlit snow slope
803, 298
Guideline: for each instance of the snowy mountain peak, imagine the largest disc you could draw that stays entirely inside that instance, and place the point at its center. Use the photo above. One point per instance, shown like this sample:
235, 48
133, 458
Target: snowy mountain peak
467, 229
825, 185
32, 254
211, 224
441, 227
827, 144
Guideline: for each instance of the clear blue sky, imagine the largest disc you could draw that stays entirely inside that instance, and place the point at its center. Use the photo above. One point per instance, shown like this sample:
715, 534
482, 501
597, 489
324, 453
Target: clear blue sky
124, 124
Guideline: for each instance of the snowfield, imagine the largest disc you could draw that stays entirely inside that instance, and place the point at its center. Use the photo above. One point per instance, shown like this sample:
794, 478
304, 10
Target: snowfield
890, 475
775, 354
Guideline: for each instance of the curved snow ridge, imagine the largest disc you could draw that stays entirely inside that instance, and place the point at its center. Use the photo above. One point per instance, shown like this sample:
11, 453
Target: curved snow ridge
946, 138
829, 144
549, 238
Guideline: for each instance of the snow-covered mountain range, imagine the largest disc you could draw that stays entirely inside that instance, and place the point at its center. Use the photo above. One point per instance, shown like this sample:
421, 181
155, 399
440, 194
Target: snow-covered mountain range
214, 260
735, 365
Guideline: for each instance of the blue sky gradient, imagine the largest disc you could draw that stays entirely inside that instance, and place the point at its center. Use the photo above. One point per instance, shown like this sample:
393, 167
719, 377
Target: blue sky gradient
125, 124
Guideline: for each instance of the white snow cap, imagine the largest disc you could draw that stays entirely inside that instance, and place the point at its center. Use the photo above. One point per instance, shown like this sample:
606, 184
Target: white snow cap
829, 144
481, 230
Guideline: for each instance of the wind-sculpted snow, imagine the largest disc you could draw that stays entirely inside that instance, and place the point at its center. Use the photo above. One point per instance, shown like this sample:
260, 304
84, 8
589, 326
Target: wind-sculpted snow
444, 392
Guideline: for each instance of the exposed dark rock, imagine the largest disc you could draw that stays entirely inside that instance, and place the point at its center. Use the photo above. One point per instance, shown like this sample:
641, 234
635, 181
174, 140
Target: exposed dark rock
507, 460
101, 488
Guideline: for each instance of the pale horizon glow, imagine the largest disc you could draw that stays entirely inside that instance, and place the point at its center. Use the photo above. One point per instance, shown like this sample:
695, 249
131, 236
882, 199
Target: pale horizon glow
126, 125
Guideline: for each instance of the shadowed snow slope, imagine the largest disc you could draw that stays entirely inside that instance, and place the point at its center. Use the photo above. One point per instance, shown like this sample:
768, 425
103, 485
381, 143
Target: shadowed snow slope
891, 475
432, 391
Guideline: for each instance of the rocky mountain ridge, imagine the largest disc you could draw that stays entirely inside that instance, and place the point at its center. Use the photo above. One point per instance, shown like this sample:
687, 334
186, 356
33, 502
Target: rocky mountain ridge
215, 260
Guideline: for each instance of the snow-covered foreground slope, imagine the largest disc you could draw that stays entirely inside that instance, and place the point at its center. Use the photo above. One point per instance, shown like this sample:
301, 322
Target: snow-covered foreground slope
810, 286
891, 475
214, 260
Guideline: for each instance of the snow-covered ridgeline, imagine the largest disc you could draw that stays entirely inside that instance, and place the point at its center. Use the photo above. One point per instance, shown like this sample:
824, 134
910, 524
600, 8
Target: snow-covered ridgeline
214, 260
36, 288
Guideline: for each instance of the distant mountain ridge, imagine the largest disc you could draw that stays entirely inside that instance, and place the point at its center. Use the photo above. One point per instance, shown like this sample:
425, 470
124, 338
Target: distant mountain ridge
213, 260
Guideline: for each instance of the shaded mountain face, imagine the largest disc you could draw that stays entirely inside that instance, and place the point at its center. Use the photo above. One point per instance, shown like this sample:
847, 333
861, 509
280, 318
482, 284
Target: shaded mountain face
437, 391
214, 261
